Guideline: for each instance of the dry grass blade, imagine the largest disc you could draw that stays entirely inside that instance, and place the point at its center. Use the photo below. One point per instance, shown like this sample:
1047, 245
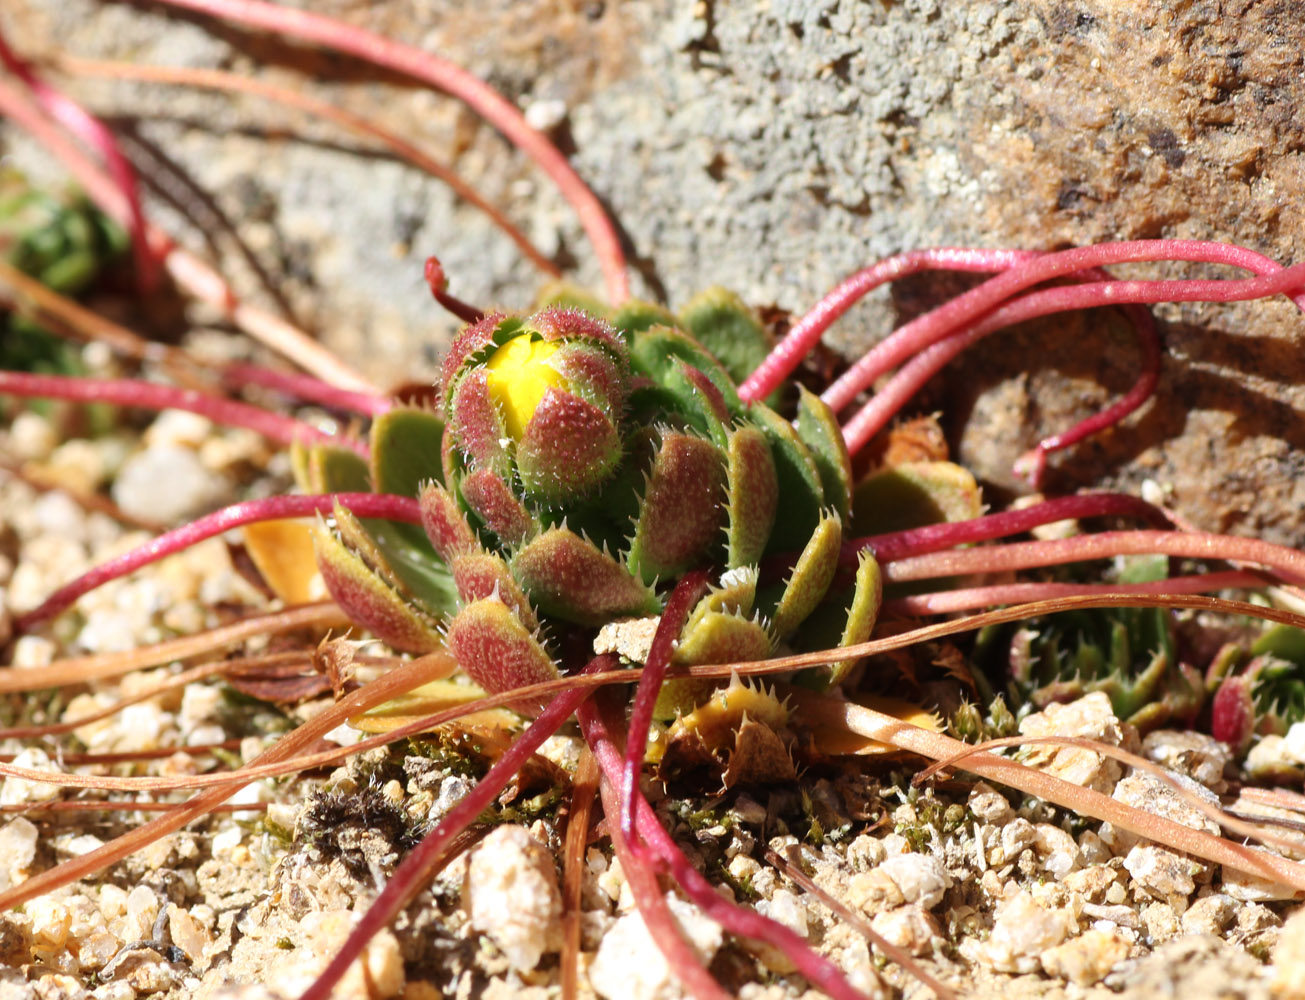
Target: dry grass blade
81, 669
130, 805
392, 685
584, 786
219, 80
1225, 819
119, 757
1280, 798
824, 710
1019, 612
171, 683
938, 746
272, 767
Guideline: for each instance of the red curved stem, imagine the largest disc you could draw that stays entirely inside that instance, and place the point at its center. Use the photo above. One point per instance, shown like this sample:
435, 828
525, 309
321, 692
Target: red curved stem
1033, 462
154, 396
943, 321
230, 82
681, 601
806, 333
886, 403
187, 270
437, 72
897, 545
439, 283
603, 731
90, 130
308, 388
380, 505
661, 924
970, 598
1286, 563
407, 877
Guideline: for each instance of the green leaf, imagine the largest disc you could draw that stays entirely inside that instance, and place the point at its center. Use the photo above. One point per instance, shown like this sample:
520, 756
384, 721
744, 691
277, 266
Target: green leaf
413, 569
752, 498
563, 293
569, 578
405, 446
809, 582
657, 351
818, 429
331, 469
867, 596
497, 651
912, 495
1282, 641
735, 594
404, 547
800, 489
725, 325
369, 600
479, 574
723, 637
635, 316
681, 514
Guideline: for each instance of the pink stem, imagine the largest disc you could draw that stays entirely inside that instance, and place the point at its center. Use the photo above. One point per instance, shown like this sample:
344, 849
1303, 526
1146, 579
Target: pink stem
885, 404
1032, 464
309, 388
154, 396
806, 333
98, 185
943, 321
603, 732
206, 284
898, 545
1287, 563
661, 924
219, 80
439, 283
380, 505
969, 598
95, 134
186, 269
437, 72
681, 601
407, 878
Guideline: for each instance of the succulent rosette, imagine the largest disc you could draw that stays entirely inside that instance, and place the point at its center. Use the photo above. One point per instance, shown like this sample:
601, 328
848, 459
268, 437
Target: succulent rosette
63, 242
571, 473
1131, 654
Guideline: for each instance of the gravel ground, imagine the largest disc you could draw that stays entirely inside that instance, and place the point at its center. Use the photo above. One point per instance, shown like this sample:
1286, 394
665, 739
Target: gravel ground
993, 893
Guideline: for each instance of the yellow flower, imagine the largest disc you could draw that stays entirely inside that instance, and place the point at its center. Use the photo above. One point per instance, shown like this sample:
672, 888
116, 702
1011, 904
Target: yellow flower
518, 374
